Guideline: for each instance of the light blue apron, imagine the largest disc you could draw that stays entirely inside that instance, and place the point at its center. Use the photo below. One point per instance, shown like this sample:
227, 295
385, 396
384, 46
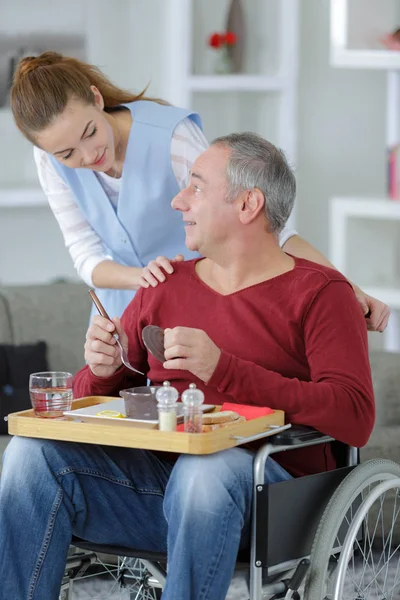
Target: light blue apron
144, 225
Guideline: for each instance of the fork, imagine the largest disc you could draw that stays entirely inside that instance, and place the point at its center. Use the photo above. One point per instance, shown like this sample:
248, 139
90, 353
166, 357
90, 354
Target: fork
102, 311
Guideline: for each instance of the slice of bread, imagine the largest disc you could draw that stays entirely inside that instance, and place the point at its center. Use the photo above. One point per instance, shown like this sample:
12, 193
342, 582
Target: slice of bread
224, 416
213, 426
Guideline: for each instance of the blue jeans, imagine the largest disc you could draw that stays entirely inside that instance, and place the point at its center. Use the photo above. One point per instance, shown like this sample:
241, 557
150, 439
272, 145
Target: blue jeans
199, 509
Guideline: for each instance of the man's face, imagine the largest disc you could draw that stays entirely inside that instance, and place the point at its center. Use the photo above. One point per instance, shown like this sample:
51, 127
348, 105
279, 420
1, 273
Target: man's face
209, 219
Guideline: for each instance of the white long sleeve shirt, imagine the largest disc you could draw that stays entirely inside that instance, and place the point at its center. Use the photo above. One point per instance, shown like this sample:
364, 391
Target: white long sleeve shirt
85, 246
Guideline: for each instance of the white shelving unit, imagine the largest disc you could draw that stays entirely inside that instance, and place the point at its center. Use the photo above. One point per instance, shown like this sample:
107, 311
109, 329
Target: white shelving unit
356, 28
235, 83
263, 98
361, 249
15, 197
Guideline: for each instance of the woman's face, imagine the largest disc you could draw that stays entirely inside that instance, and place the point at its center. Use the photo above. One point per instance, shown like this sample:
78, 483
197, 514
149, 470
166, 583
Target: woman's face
82, 137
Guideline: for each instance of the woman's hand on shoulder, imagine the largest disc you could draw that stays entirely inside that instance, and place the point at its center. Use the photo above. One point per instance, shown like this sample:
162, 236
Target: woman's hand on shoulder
376, 312
155, 271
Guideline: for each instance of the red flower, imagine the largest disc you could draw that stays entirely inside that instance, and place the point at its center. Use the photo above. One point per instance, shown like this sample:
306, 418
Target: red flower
215, 40
230, 38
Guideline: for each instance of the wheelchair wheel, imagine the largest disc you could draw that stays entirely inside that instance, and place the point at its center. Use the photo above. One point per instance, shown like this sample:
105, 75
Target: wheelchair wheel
356, 550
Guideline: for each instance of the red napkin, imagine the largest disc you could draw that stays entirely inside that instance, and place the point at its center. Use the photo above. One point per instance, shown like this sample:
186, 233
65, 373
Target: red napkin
246, 410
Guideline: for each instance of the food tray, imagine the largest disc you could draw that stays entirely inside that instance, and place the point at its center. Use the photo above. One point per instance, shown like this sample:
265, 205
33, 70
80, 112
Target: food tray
26, 424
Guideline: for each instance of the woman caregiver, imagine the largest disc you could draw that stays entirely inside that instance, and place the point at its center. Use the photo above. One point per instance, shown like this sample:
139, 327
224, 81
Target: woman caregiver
110, 162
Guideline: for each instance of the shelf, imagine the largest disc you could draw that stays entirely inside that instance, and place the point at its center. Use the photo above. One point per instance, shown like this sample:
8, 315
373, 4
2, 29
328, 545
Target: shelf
262, 96
368, 208
245, 83
356, 31
13, 197
365, 59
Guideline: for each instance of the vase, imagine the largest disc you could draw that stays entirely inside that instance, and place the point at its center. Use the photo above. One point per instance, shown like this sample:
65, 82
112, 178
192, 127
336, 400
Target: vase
235, 23
223, 62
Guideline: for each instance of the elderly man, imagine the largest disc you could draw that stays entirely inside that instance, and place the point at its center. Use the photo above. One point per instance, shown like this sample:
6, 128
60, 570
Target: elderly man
247, 323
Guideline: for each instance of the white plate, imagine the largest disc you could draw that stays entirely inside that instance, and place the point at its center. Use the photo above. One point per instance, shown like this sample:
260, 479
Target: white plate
89, 413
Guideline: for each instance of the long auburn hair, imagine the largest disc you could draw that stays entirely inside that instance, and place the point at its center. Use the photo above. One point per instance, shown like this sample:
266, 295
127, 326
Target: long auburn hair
44, 84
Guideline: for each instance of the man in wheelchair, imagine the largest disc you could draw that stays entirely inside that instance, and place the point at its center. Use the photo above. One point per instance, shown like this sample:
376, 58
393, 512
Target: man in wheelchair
247, 323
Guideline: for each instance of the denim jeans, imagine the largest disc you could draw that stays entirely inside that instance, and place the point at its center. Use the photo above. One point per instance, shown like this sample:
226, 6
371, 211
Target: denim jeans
198, 508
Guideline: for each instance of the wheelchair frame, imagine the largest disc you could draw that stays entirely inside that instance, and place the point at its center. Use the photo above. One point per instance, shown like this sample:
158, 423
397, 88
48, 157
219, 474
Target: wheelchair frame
261, 508
289, 538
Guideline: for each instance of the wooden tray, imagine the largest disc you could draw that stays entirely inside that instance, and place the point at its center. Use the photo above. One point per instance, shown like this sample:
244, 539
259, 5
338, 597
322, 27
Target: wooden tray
26, 424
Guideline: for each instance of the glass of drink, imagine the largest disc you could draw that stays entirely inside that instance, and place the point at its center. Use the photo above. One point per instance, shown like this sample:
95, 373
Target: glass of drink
51, 393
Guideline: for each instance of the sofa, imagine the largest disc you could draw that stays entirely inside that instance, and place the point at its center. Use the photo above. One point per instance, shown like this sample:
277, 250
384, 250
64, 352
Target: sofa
58, 313
385, 439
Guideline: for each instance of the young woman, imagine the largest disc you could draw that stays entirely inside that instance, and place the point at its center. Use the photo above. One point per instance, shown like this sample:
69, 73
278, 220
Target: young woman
110, 162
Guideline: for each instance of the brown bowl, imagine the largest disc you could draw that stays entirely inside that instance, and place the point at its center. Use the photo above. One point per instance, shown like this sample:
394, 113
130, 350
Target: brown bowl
141, 403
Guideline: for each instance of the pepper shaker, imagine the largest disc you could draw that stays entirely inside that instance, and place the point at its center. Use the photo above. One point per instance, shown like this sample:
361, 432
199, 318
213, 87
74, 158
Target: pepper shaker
193, 415
167, 397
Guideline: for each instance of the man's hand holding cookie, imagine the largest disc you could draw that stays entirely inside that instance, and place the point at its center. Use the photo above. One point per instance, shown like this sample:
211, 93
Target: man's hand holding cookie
191, 350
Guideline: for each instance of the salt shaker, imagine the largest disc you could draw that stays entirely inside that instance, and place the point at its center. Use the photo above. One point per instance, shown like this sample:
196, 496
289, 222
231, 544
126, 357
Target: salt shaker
192, 399
167, 397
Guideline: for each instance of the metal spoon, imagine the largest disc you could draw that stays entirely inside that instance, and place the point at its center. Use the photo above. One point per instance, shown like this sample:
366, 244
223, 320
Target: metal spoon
102, 311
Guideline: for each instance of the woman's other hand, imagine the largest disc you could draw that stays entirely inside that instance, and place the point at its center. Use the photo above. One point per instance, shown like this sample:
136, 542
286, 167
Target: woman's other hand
377, 313
154, 274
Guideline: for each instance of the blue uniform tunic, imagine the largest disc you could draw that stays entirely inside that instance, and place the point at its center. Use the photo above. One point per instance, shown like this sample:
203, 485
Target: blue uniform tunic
144, 225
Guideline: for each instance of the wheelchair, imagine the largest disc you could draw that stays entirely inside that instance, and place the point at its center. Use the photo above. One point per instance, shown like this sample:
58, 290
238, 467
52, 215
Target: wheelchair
329, 536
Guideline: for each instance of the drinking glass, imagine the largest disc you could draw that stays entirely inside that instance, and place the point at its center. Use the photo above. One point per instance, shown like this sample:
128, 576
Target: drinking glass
51, 393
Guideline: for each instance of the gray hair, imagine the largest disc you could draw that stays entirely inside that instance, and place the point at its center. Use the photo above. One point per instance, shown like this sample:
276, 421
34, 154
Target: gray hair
256, 163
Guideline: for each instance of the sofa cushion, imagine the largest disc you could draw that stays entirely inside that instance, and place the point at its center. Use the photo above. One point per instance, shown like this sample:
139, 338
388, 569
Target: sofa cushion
16, 364
5, 323
57, 313
22, 360
386, 380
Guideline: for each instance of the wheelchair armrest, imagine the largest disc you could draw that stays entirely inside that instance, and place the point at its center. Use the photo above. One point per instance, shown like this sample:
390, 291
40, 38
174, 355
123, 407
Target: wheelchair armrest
297, 434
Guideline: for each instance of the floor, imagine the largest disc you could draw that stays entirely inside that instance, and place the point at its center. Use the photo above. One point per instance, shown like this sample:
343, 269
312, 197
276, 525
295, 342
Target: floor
386, 580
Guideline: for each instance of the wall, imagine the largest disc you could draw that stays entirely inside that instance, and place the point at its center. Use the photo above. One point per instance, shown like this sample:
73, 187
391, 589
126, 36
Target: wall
31, 247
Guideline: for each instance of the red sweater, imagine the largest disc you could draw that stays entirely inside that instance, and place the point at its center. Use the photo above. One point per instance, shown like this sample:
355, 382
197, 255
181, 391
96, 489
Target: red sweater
297, 342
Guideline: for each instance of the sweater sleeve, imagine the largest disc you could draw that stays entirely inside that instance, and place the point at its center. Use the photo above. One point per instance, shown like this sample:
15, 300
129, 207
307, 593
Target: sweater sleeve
338, 400
87, 384
188, 142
